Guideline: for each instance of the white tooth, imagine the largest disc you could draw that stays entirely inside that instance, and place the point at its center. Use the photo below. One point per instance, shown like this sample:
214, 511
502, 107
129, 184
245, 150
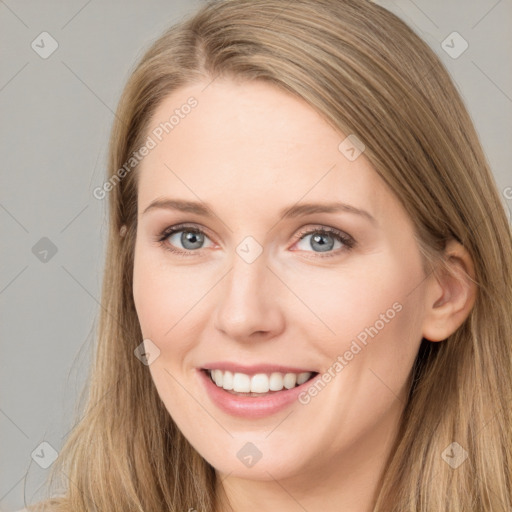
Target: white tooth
241, 383
259, 383
276, 381
303, 377
289, 381
227, 381
217, 377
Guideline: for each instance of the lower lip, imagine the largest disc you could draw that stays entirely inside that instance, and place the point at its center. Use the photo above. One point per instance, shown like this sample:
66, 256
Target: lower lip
251, 407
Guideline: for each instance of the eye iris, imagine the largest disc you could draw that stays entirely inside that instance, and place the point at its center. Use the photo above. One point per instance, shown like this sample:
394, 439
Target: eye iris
192, 237
323, 246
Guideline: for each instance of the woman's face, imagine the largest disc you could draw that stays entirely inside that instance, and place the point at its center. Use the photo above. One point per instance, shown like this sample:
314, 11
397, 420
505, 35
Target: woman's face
258, 294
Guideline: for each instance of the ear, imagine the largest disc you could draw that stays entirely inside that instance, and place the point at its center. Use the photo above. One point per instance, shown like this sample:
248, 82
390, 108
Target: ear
451, 295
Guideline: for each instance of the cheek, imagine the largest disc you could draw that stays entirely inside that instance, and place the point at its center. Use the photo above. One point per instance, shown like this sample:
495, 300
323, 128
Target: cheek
149, 299
161, 297
348, 301
371, 313
161, 302
169, 302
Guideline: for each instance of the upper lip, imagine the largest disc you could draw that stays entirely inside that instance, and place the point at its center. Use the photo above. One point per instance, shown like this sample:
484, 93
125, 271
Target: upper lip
254, 369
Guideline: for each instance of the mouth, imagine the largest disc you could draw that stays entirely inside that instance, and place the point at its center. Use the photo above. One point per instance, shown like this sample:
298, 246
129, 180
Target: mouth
258, 384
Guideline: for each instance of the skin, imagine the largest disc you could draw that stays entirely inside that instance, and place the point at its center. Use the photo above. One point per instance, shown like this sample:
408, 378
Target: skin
250, 150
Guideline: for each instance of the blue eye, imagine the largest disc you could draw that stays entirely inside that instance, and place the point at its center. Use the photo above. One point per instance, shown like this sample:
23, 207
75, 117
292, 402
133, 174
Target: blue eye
324, 240
192, 238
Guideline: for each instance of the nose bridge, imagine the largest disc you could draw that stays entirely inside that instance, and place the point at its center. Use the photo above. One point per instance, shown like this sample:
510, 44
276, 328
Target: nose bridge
247, 303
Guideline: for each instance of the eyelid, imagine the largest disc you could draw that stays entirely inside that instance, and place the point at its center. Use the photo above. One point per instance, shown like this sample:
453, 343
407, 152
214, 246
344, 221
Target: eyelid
168, 231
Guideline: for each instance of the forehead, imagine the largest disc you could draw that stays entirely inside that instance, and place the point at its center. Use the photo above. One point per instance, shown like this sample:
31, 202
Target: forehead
255, 144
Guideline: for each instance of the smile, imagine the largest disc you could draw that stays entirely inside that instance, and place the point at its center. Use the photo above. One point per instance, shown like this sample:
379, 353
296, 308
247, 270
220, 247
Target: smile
258, 384
261, 392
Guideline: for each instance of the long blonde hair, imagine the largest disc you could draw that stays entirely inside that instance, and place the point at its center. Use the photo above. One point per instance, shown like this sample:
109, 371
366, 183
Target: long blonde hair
367, 73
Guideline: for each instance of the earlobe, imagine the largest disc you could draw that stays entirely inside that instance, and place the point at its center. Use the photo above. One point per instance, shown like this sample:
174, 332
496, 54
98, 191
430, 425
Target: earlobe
450, 294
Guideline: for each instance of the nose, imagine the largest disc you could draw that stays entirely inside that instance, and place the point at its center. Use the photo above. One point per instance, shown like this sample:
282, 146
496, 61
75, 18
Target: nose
249, 306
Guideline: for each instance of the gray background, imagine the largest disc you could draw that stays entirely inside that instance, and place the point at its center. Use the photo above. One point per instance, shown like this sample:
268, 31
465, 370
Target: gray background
56, 117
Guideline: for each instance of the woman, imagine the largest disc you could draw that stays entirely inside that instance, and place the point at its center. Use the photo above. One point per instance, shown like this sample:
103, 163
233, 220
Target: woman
308, 284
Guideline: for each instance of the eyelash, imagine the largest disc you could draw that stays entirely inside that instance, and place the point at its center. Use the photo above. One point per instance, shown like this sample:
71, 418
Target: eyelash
348, 242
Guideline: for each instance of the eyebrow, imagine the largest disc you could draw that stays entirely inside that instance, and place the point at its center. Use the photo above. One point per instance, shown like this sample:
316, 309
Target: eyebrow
293, 211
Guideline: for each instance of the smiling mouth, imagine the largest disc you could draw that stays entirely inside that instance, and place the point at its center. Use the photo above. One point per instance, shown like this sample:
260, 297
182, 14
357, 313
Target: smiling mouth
257, 385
